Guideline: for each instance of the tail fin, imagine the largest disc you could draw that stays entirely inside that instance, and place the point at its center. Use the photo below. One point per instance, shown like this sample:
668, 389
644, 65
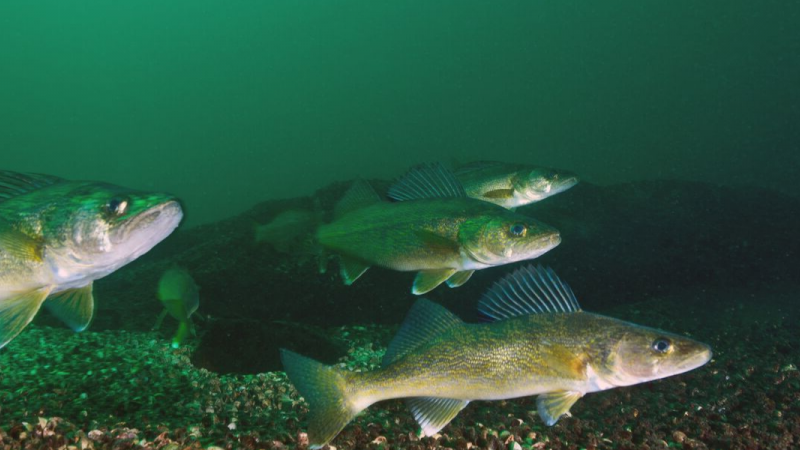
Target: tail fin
326, 390
288, 227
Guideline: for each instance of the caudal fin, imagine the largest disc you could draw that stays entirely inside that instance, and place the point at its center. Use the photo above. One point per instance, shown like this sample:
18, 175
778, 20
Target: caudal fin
325, 390
288, 228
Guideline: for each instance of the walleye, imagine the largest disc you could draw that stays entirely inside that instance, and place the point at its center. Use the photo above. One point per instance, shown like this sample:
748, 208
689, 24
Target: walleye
512, 185
58, 236
541, 343
181, 298
433, 228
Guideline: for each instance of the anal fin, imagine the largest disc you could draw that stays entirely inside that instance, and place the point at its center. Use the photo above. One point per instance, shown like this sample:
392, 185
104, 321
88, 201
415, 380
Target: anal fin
434, 413
17, 311
427, 280
74, 307
351, 269
459, 278
553, 405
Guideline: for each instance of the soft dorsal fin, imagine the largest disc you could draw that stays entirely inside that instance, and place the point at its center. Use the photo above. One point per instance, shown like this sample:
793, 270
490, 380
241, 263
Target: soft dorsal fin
528, 290
13, 184
359, 195
427, 181
425, 321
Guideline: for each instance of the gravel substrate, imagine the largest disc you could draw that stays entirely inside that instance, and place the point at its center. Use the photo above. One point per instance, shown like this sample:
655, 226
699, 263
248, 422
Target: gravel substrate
120, 390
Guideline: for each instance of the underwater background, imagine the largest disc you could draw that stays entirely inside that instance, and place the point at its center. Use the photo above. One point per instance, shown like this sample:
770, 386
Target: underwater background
679, 117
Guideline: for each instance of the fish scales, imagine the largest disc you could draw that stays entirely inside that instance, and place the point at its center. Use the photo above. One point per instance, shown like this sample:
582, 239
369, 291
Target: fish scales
398, 235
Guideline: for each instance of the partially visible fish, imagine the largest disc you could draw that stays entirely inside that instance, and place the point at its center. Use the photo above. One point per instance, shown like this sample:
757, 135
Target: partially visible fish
181, 298
541, 343
58, 236
512, 185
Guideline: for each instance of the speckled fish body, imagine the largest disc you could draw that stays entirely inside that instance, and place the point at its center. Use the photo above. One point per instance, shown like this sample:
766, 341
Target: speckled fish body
541, 344
432, 228
58, 236
512, 185
522, 356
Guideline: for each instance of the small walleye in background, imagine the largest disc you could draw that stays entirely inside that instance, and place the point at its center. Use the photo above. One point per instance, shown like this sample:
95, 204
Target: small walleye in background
432, 228
540, 343
181, 298
58, 236
512, 185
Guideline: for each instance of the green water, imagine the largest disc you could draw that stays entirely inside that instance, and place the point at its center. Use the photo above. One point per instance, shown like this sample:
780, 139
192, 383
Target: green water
229, 103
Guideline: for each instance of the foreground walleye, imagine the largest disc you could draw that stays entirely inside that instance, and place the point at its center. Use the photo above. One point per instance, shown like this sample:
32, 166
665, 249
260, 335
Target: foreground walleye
433, 228
512, 185
58, 236
541, 343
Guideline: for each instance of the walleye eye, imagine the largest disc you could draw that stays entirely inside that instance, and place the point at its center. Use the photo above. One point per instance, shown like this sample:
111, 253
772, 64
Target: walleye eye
518, 229
117, 206
662, 345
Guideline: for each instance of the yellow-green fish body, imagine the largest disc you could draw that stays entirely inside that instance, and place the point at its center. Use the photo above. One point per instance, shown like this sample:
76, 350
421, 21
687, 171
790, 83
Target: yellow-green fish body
430, 234
512, 185
432, 228
542, 344
58, 236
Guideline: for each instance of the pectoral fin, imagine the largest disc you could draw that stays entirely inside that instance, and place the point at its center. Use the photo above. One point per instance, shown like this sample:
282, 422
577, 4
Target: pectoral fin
351, 269
74, 307
553, 405
17, 311
499, 193
427, 280
434, 413
459, 278
439, 244
19, 245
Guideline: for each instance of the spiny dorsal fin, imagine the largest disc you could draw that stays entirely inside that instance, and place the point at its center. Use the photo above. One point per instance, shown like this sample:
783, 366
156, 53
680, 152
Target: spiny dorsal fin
427, 181
13, 184
75, 307
433, 413
425, 321
528, 290
359, 195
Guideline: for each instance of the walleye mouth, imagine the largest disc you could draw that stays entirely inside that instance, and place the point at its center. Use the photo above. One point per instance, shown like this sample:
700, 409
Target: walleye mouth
696, 360
167, 215
549, 241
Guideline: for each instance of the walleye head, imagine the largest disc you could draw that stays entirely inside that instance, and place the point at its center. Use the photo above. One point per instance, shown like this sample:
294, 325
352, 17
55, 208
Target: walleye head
644, 354
541, 183
494, 240
104, 227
